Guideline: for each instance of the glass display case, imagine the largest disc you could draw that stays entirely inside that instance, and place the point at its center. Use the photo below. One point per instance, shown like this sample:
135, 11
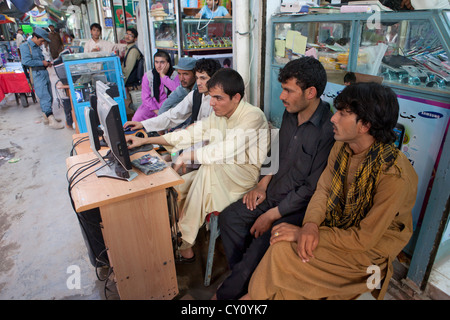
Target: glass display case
405, 50
197, 35
328, 41
83, 70
408, 53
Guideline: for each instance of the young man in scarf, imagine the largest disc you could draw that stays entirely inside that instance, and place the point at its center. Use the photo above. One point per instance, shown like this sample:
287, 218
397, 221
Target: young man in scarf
156, 86
359, 218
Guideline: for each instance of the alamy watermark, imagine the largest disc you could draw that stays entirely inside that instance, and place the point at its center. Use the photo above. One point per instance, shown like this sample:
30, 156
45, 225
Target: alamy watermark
373, 22
374, 280
235, 146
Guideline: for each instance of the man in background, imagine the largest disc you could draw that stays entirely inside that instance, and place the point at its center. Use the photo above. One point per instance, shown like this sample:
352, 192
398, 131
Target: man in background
56, 45
97, 44
186, 74
20, 38
132, 53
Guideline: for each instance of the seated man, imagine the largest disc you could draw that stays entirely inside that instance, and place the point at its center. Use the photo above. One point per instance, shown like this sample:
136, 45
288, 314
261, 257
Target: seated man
359, 218
193, 107
157, 85
232, 132
186, 73
305, 141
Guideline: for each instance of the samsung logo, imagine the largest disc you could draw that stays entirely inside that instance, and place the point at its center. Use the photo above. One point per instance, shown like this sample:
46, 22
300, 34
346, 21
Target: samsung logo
430, 114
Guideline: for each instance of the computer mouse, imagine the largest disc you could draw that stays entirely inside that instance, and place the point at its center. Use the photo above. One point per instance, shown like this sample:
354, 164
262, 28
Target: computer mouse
128, 130
140, 134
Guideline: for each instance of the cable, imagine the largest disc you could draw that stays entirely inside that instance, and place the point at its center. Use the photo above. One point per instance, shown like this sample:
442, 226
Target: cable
79, 141
250, 33
87, 165
210, 19
71, 187
199, 20
76, 164
111, 271
58, 97
173, 218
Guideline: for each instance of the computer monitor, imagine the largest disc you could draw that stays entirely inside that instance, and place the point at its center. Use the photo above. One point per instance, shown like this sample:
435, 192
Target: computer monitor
117, 163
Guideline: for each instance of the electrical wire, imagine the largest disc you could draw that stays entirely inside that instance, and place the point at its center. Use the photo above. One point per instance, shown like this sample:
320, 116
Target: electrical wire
86, 165
79, 141
209, 21
250, 34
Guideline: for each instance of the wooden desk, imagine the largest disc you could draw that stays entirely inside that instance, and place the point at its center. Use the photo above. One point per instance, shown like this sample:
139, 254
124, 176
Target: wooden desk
136, 228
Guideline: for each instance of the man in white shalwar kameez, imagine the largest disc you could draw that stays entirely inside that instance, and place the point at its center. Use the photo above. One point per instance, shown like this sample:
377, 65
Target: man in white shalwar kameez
237, 142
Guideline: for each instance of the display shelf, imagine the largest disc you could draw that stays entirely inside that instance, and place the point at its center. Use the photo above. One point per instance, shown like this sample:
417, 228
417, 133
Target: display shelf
185, 34
409, 50
198, 34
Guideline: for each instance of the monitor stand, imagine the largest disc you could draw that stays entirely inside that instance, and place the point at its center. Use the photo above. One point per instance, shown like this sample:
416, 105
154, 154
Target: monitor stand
113, 169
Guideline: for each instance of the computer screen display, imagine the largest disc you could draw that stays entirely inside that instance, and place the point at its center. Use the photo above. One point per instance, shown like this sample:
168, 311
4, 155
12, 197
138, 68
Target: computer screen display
117, 163
111, 124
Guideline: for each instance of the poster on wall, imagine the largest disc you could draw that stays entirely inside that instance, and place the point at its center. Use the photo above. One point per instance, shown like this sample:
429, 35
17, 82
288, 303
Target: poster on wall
39, 18
425, 123
129, 13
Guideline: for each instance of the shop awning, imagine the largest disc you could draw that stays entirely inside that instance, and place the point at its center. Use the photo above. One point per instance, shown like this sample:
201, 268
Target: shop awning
5, 19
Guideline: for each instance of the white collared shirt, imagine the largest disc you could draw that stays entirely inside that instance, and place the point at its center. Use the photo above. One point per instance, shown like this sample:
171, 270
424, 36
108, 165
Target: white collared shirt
178, 114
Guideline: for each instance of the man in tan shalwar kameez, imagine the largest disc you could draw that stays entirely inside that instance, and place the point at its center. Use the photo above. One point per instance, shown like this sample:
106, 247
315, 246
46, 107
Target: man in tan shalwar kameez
236, 135
359, 218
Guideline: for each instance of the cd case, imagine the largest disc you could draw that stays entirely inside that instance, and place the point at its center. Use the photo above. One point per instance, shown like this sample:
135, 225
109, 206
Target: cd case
149, 164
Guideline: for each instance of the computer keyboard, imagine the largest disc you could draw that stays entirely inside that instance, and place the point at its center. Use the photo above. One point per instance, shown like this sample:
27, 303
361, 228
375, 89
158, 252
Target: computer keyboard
143, 148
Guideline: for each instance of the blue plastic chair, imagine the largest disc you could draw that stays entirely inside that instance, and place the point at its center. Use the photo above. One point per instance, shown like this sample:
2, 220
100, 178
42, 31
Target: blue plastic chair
214, 233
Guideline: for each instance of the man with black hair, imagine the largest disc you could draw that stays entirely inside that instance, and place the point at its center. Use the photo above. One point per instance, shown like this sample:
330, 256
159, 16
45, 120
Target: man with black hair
20, 38
195, 106
56, 45
132, 53
359, 218
349, 78
33, 57
97, 44
229, 163
305, 140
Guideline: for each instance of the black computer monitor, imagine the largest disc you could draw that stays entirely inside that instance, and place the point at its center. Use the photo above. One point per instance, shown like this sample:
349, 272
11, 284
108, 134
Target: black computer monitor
117, 163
